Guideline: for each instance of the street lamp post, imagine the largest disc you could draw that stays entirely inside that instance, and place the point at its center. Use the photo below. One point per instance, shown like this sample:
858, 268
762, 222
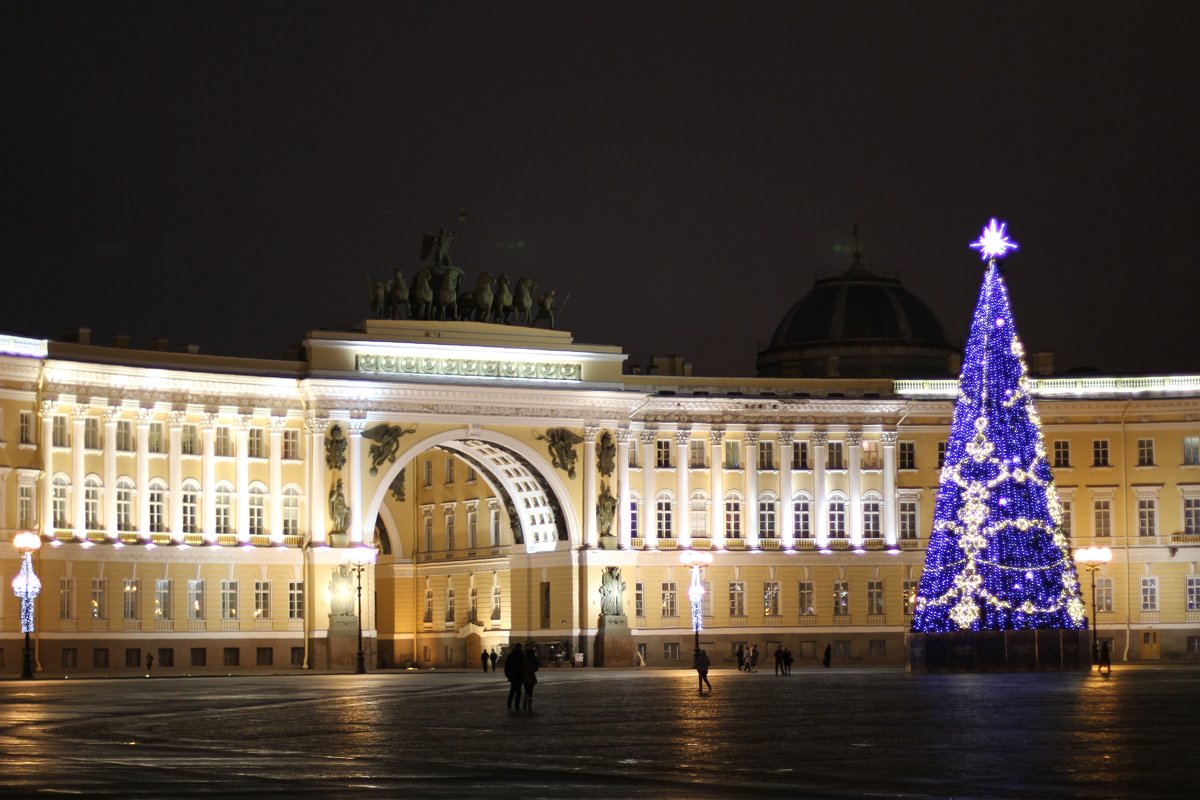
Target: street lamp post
27, 586
1091, 559
696, 561
360, 559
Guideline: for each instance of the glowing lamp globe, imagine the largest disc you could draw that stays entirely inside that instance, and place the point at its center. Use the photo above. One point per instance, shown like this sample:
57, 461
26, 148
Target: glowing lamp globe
27, 541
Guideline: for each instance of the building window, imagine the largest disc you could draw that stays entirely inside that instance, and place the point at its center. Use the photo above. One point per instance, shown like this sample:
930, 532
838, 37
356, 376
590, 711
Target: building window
25, 428
58, 502
130, 607
766, 456
448, 523
91, 433
473, 605
1145, 452
907, 454
496, 594
58, 431
472, 529
195, 600
733, 455
494, 524
699, 515
697, 454
1193, 593
25, 506
157, 443
471, 476
258, 500
264, 656
1191, 515
70, 658
1147, 510
633, 516
256, 443
449, 471
800, 455
771, 598
427, 474
802, 516
837, 518
125, 435
232, 657
189, 440
223, 509
229, 599
671, 651
910, 597
100, 658
291, 445
908, 519
875, 598
877, 648
1102, 519
766, 517
262, 599
449, 604
669, 598
291, 511
189, 504
428, 616
66, 598
1191, 450
870, 455
1100, 453
834, 456
1149, 594
872, 527
295, 599
639, 600
807, 607
427, 529
124, 505
162, 599
1104, 595
662, 510
99, 598
841, 598
1062, 454
662, 454
223, 443
91, 504
737, 599
941, 454
733, 518
199, 656
158, 503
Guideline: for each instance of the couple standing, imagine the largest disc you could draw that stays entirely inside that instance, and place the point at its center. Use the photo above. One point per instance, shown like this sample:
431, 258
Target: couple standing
520, 668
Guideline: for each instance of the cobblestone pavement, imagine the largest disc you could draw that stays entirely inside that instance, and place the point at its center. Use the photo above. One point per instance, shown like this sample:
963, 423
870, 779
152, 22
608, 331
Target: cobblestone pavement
607, 733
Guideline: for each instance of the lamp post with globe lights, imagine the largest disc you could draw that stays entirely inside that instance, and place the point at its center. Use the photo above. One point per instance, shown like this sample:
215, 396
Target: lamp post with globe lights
360, 559
696, 562
1091, 559
27, 586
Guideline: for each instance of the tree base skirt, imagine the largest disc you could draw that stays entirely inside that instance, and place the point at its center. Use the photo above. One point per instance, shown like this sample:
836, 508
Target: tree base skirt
999, 651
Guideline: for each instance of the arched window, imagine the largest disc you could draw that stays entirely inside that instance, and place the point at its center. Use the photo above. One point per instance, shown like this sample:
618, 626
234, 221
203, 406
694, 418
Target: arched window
124, 504
633, 515
733, 516
291, 511
223, 508
837, 515
58, 501
699, 514
189, 501
91, 503
258, 503
872, 525
158, 506
662, 515
802, 515
766, 516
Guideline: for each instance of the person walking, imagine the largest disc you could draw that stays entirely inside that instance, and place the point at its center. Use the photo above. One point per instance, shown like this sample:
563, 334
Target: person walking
483, 659
779, 660
753, 659
702, 666
1105, 659
493, 658
149, 662
741, 657
529, 668
828, 656
514, 667
787, 661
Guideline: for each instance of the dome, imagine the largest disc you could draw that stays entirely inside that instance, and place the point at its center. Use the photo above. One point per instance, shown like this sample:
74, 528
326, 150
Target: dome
858, 323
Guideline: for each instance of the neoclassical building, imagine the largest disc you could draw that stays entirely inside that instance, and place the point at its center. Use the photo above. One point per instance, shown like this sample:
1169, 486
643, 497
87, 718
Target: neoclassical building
209, 511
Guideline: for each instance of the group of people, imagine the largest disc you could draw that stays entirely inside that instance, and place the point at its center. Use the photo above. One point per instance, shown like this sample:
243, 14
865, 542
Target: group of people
747, 658
486, 658
783, 661
520, 670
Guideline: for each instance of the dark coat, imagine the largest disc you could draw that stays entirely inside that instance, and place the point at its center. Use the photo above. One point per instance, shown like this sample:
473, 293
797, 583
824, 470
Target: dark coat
514, 664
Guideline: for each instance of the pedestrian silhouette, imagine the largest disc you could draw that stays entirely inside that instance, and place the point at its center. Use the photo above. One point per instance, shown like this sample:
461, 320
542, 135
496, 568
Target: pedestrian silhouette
483, 659
741, 657
779, 660
787, 661
493, 658
702, 665
828, 656
529, 668
514, 665
149, 661
1105, 661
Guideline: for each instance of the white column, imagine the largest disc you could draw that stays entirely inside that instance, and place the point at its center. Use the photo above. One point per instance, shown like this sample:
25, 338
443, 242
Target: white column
716, 484
750, 441
78, 417
142, 489
787, 521
208, 473
820, 503
175, 473
275, 479
242, 486
854, 486
649, 517
591, 534
889, 488
47, 522
111, 414
355, 428
316, 466
683, 513
623, 517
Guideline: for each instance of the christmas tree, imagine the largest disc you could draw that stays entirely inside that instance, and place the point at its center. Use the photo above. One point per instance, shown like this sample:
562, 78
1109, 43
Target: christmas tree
998, 558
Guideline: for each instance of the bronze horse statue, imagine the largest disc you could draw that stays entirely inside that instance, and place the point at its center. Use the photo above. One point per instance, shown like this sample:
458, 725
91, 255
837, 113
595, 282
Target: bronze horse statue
447, 280
523, 302
397, 295
478, 305
420, 298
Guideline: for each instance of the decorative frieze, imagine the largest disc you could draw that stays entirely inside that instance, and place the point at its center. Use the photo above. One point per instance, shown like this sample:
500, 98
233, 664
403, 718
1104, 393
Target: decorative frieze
468, 368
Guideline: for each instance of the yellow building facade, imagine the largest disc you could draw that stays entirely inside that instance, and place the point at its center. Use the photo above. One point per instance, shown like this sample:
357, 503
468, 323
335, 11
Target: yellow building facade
207, 511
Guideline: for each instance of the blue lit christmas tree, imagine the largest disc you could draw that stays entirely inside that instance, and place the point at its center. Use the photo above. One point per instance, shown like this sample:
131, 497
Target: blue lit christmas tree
997, 559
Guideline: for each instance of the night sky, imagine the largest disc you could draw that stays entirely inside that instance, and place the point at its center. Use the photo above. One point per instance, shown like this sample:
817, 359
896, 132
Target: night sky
229, 174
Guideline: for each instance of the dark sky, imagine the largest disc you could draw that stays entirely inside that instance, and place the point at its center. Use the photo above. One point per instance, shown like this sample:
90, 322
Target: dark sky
228, 174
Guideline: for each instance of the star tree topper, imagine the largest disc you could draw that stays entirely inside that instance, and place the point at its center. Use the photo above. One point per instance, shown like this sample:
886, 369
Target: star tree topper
993, 242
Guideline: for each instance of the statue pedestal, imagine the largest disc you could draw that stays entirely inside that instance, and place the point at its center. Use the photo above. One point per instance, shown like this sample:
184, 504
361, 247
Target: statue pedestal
608, 543
339, 539
614, 643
